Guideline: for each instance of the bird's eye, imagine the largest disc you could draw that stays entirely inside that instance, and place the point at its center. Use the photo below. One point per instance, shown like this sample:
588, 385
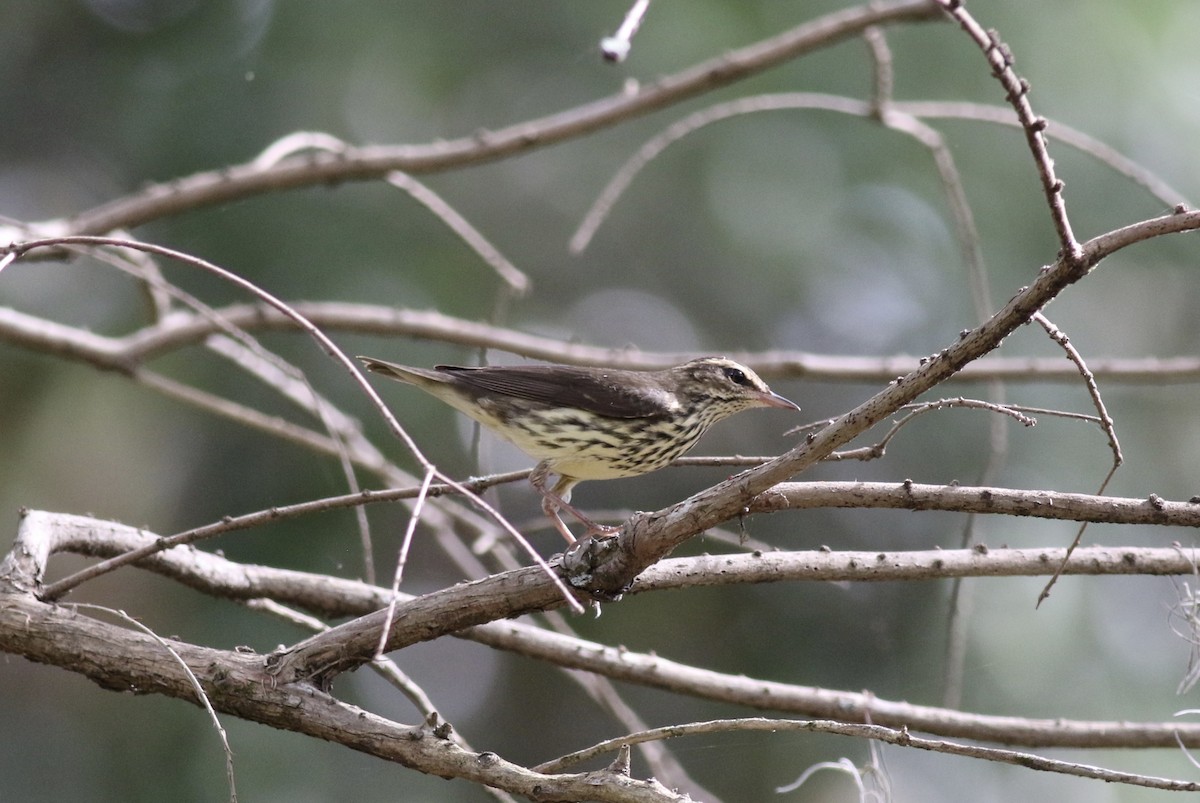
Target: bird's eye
737, 376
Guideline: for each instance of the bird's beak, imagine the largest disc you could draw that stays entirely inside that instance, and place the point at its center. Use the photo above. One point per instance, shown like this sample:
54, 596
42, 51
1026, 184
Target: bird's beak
771, 399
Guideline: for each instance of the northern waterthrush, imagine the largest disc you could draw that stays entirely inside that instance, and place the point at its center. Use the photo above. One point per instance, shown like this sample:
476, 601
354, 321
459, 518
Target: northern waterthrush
593, 423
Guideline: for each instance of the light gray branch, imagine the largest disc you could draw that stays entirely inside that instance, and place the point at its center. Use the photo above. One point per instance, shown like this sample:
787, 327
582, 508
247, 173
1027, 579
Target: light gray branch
181, 329
123, 660
357, 164
43, 534
908, 495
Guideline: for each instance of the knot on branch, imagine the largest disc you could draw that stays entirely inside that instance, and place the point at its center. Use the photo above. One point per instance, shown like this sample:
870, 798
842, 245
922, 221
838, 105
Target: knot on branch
599, 567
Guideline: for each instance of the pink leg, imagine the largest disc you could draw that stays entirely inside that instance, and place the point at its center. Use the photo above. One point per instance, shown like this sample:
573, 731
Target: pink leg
557, 498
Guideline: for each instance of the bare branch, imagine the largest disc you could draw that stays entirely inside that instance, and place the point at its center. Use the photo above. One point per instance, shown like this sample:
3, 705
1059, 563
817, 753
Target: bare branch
900, 737
357, 164
516, 281
180, 329
120, 659
1038, 504
611, 567
1001, 60
288, 689
43, 533
1106, 422
1056, 130
201, 696
616, 47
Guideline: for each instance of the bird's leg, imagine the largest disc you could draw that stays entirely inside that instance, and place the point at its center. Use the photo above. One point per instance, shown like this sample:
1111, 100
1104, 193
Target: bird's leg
550, 500
558, 498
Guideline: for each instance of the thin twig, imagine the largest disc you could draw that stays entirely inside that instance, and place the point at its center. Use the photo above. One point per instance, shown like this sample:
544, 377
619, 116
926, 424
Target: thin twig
616, 47
294, 144
244, 351
384, 667
1106, 423
900, 737
402, 559
1000, 58
1058, 131
201, 695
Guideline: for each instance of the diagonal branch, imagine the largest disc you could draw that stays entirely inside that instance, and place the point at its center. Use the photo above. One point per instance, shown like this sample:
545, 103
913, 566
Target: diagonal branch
1017, 88
357, 164
609, 568
123, 660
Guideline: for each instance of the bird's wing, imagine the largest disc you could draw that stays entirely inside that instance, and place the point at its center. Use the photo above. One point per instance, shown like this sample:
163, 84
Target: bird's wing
611, 393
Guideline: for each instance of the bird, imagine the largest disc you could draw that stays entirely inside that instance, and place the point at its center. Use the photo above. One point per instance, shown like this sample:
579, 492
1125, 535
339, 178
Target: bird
583, 423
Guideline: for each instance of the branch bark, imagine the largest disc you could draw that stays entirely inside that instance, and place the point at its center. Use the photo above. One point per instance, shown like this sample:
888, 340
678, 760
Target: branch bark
611, 568
364, 163
181, 329
43, 534
236, 683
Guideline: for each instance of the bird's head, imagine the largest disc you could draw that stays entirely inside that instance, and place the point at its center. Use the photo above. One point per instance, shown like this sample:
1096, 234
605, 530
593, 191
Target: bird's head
724, 387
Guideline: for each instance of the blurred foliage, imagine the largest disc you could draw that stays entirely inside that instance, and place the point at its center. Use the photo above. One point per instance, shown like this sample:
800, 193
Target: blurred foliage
789, 230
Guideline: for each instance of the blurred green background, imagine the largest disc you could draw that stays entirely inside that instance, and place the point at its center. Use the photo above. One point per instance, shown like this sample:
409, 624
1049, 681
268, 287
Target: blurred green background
788, 230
